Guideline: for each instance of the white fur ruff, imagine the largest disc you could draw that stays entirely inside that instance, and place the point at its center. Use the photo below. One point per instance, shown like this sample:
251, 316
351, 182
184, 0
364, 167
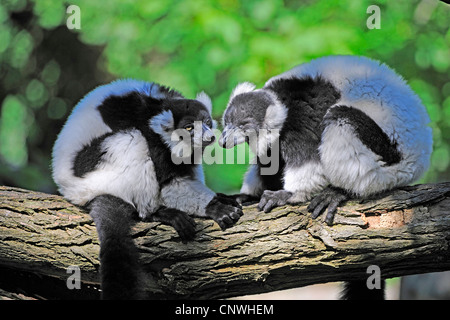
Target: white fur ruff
243, 87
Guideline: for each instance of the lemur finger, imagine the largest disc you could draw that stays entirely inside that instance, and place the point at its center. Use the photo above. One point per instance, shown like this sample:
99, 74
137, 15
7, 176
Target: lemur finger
331, 212
228, 221
264, 199
190, 220
262, 203
185, 234
185, 227
318, 209
269, 206
234, 213
332, 207
221, 224
314, 203
235, 216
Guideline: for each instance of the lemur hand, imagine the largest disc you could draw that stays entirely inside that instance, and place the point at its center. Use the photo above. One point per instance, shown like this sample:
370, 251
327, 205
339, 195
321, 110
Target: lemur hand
225, 210
271, 199
330, 197
179, 220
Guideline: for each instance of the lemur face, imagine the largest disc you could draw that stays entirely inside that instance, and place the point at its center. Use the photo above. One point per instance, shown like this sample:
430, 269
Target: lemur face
191, 116
244, 117
184, 125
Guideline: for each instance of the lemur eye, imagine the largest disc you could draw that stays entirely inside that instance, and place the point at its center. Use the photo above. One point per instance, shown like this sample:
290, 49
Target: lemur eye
189, 128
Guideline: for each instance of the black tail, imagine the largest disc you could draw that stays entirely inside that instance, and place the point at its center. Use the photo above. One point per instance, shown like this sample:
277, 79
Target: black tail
119, 266
357, 290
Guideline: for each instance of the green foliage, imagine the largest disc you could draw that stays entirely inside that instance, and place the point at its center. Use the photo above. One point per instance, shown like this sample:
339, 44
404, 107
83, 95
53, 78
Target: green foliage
199, 45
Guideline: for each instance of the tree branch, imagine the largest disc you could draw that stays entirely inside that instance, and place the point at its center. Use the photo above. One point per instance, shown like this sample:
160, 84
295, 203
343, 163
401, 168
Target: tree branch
406, 231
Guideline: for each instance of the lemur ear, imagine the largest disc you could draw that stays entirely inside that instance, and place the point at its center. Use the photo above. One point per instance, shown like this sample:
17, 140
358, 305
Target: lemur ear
205, 99
242, 88
162, 123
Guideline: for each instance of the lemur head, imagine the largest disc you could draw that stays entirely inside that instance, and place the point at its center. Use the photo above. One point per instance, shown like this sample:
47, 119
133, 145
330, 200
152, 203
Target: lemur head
248, 112
184, 124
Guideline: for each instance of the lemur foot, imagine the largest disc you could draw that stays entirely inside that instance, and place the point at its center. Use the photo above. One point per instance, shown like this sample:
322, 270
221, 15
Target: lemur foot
271, 199
179, 220
224, 210
330, 197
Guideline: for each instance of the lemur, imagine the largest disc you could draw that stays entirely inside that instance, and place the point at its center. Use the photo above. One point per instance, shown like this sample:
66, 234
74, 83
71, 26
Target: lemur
115, 156
346, 126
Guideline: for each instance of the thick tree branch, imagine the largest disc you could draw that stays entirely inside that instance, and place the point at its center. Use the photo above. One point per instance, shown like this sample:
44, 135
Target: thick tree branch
406, 231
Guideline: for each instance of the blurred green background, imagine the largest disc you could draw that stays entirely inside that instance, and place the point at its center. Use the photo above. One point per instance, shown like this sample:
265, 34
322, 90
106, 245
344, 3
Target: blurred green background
45, 68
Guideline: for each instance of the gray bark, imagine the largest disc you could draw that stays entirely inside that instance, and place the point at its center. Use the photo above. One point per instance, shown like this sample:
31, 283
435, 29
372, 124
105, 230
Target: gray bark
406, 231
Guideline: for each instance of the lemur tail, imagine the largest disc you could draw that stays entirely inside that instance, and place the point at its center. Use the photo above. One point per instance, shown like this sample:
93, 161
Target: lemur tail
358, 290
121, 276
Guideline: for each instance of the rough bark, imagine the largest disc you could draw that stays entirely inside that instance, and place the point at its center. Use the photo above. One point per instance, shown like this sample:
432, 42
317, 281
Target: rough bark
406, 231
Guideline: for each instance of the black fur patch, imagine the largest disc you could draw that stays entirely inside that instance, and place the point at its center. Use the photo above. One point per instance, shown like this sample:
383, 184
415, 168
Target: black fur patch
272, 182
357, 290
370, 134
307, 100
132, 110
89, 157
165, 168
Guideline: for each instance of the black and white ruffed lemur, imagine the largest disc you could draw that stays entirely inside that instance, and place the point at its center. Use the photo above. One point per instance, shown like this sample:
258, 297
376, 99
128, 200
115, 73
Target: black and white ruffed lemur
114, 157
346, 126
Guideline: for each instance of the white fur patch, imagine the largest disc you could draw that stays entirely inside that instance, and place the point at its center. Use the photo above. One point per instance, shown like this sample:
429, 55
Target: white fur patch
163, 124
203, 98
271, 127
275, 116
350, 165
126, 171
243, 87
304, 181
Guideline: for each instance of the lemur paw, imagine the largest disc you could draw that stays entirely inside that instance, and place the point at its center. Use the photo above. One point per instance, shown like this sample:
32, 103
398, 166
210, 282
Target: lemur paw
183, 224
243, 198
271, 199
224, 210
330, 197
